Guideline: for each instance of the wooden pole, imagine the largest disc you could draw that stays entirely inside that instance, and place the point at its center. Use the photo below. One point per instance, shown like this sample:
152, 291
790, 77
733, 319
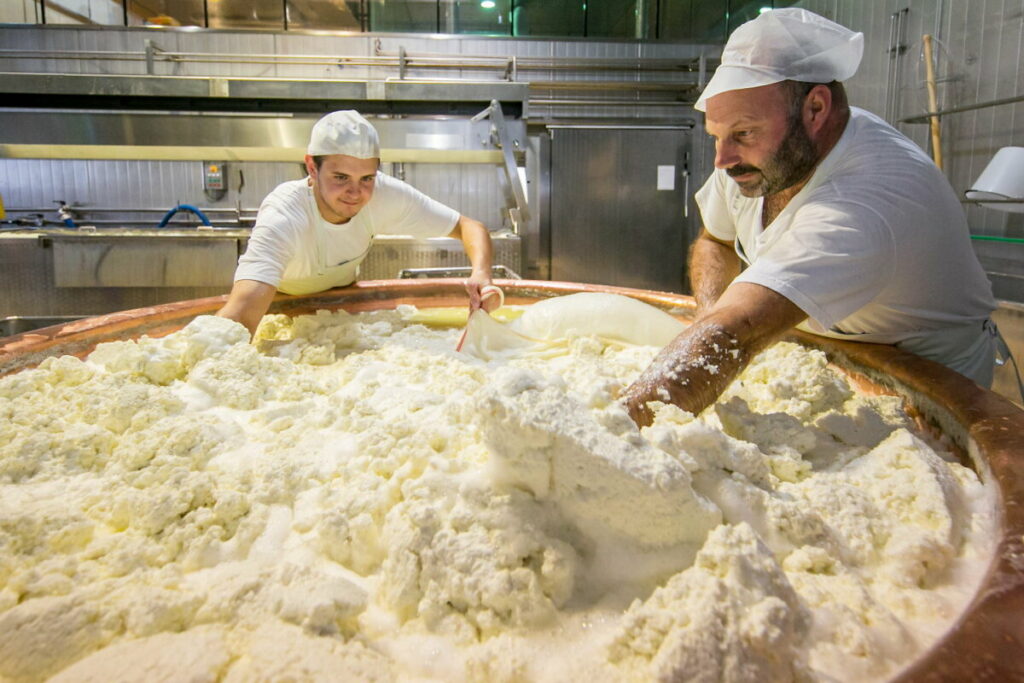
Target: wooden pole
933, 104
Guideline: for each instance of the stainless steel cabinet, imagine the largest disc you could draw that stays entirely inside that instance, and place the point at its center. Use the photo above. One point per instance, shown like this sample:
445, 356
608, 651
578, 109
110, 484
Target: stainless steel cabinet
618, 206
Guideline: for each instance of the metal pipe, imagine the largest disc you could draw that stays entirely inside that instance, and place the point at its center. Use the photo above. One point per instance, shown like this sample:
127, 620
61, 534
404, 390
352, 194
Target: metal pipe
464, 62
243, 224
992, 238
540, 102
889, 75
154, 112
85, 210
609, 85
895, 50
924, 118
620, 126
901, 48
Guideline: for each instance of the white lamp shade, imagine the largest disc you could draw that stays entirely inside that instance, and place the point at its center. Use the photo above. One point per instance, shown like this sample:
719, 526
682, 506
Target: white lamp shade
1002, 179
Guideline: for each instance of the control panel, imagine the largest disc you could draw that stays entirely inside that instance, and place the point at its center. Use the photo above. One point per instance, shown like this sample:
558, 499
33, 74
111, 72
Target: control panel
215, 179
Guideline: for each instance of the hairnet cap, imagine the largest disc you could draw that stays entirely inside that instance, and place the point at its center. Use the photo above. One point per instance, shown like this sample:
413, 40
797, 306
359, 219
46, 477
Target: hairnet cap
787, 44
344, 132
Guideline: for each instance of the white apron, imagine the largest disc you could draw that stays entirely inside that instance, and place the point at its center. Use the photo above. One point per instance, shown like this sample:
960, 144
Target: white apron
969, 349
327, 276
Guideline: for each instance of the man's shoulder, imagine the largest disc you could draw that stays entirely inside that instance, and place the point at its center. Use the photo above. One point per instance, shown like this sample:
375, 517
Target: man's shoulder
391, 187
288, 191
873, 139
393, 199
873, 157
285, 204
864, 116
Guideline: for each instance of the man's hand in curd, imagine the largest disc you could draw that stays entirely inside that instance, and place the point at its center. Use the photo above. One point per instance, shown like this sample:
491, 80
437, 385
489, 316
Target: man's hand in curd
695, 367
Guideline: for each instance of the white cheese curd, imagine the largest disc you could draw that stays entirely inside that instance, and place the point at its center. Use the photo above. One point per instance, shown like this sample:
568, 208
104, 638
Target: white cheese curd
348, 498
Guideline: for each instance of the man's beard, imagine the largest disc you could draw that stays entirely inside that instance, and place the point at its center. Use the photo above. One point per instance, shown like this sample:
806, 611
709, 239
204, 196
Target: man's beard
792, 162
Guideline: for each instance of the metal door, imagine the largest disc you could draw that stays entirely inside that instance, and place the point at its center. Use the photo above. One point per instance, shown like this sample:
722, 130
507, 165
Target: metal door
618, 206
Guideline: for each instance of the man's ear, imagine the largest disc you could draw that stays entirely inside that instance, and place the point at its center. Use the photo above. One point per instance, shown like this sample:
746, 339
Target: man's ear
310, 166
817, 108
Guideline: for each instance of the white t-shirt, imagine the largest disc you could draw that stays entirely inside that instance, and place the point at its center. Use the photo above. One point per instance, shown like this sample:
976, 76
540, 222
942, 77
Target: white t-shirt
291, 242
874, 248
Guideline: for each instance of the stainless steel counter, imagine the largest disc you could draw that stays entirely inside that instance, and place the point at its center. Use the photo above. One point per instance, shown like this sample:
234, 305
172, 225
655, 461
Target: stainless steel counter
66, 272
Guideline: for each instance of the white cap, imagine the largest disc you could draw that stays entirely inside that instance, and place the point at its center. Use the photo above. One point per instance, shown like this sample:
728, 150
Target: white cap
787, 44
344, 132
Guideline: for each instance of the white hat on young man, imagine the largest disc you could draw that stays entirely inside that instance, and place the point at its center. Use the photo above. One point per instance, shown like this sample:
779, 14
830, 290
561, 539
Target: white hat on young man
344, 132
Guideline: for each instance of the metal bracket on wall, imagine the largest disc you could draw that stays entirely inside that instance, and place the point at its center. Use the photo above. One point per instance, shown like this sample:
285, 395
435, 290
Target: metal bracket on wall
896, 49
499, 129
151, 51
897, 32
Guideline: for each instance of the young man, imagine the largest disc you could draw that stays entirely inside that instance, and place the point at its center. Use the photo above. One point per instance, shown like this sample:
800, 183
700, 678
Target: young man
840, 224
312, 234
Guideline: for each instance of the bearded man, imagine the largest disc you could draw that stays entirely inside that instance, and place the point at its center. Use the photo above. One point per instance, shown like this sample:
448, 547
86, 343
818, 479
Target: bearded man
819, 216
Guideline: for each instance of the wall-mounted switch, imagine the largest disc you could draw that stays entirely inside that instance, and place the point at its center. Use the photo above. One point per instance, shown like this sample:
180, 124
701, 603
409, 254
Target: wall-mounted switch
214, 179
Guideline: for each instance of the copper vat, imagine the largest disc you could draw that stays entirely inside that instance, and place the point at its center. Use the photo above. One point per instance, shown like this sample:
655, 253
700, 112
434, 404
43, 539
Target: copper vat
986, 643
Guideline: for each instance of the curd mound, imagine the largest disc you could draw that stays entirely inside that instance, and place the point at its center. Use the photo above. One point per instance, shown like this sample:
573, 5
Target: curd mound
348, 498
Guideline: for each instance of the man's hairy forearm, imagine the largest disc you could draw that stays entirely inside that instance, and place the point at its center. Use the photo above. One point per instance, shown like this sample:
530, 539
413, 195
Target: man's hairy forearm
691, 372
713, 265
476, 240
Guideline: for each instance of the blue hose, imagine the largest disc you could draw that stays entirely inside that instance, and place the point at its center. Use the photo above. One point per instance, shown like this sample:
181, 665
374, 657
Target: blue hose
185, 207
